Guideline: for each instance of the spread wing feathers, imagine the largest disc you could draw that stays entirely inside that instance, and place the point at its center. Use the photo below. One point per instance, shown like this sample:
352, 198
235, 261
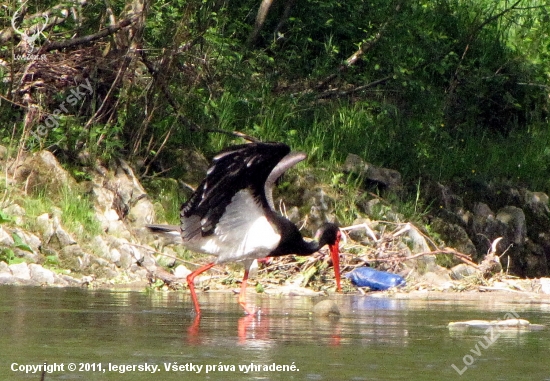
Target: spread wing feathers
246, 166
243, 233
286, 162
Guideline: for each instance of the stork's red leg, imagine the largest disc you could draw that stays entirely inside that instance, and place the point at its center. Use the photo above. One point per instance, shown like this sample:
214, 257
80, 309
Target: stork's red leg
191, 283
242, 294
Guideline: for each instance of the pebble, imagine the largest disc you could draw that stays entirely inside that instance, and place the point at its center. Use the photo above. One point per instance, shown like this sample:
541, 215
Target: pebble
181, 271
326, 307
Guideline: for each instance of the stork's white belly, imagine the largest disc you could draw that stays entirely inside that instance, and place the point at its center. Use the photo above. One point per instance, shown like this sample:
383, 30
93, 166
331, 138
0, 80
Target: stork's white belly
243, 232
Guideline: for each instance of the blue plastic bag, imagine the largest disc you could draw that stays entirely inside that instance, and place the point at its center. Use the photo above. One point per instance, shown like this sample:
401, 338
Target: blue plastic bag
374, 279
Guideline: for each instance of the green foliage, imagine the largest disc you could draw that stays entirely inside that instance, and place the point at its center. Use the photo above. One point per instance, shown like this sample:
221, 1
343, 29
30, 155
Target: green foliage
7, 255
77, 213
4, 218
435, 89
20, 244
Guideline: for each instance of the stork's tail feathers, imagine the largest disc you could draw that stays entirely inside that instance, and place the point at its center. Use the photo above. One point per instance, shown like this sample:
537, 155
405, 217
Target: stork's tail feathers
163, 228
170, 232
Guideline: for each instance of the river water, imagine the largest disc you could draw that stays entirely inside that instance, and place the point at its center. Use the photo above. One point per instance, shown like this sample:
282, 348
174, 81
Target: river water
109, 335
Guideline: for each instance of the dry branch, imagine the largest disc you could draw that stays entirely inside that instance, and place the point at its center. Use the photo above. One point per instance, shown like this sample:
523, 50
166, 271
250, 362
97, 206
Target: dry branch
463, 257
57, 45
355, 57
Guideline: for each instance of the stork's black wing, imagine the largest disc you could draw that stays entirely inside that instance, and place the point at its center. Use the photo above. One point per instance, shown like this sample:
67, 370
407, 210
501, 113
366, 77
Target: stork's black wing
246, 166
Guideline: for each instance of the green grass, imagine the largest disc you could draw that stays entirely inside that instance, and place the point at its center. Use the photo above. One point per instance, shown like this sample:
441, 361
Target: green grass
419, 146
77, 212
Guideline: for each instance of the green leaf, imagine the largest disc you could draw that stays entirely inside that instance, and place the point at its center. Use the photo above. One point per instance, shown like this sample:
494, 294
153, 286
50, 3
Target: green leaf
4, 217
18, 243
7, 255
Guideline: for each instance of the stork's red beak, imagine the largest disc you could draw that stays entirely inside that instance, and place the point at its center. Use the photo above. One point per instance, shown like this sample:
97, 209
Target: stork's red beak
335, 255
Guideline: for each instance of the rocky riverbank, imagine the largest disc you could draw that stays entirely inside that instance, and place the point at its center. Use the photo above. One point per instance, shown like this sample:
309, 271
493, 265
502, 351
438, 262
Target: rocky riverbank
105, 244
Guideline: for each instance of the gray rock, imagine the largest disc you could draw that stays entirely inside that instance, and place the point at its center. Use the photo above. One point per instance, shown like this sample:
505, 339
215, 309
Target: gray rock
102, 198
73, 258
514, 219
4, 268
65, 239
68, 280
417, 241
166, 258
30, 239
20, 270
128, 194
454, 235
41, 275
388, 178
115, 256
7, 278
142, 213
33, 257
482, 210
5, 238
326, 307
490, 265
44, 225
138, 272
42, 171
320, 206
463, 270
100, 248
436, 279
16, 213
128, 256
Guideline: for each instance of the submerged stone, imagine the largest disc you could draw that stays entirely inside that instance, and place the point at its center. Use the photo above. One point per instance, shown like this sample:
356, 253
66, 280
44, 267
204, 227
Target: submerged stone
326, 308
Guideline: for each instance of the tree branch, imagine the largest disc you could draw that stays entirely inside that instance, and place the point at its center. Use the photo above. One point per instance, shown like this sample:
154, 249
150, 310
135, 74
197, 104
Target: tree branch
58, 45
340, 93
260, 19
355, 57
471, 37
63, 9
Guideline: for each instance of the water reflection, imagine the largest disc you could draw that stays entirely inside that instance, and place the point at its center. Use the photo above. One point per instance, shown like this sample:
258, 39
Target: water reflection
374, 338
363, 321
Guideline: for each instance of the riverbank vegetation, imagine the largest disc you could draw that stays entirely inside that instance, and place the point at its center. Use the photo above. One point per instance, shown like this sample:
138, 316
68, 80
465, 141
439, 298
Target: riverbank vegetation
440, 90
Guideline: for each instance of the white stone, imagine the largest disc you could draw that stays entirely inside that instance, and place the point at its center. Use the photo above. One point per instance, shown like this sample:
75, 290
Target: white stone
41, 275
45, 226
4, 268
5, 238
181, 271
20, 270
545, 285
7, 278
111, 215
100, 247
115, 255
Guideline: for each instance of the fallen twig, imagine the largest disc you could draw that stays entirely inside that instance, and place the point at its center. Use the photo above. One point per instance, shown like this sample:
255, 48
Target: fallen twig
463, 257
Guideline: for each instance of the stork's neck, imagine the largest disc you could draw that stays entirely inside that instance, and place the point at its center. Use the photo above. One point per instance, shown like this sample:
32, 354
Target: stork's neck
292, 241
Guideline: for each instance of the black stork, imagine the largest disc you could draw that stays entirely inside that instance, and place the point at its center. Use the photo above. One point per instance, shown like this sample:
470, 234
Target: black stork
231, 214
